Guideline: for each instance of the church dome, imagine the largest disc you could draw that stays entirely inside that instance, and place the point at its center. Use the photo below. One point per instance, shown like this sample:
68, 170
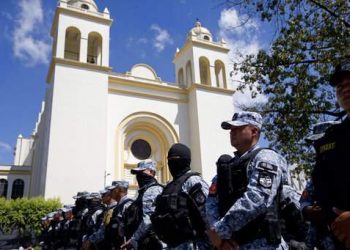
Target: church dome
84, 4
201, 32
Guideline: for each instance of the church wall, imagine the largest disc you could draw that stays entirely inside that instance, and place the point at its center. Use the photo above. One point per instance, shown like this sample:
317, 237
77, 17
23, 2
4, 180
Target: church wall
210, 140
40, 148
77, 149
121, 106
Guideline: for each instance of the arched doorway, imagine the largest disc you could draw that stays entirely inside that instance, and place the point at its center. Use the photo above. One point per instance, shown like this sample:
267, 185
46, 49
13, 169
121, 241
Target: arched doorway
143, 135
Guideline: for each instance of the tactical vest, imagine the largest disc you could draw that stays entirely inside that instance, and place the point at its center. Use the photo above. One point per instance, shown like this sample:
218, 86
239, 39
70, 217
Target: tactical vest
133, 215
232, 182
112, 236
177, 218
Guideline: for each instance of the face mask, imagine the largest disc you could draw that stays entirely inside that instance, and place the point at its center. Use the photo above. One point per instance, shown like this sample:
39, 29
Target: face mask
144, 179
178, 167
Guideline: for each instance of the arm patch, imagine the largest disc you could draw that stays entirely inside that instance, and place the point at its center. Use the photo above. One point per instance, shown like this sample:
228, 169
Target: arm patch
267, 167
265, 179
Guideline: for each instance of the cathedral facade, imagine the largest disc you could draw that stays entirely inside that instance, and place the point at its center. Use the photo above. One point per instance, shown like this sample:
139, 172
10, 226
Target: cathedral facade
96, 124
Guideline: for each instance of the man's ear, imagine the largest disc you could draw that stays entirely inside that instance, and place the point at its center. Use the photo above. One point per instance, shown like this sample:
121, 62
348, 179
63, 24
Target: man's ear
255, 131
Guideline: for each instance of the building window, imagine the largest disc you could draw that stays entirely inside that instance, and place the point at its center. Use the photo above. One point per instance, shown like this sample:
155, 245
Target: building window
17, 189
220, 74
204, 70
180, 77
85, 6
3, 188
206, 38
72, 44
188, 73
141, 149
94, 55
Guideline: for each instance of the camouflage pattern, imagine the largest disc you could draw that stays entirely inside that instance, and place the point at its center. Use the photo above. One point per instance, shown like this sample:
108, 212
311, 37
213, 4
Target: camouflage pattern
260, 194
148, 207
186, 187
98, 236
315, 238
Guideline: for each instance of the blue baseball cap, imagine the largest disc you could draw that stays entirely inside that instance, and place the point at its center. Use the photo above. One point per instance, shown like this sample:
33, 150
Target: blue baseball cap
243, 118
143, 165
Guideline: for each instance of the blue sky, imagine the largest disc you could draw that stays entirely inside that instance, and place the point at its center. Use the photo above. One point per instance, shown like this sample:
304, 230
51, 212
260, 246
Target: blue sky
143, 31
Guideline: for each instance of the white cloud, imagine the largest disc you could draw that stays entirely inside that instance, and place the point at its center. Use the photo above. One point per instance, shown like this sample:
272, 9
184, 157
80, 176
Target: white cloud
29, 34
142, 40
241, 35
161, 39
4, 147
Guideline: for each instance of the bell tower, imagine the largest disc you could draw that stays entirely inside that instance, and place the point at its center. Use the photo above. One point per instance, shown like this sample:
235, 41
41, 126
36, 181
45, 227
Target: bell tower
201, 60
76, 101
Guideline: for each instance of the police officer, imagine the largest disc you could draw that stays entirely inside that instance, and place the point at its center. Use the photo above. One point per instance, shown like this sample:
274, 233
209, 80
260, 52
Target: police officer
137, 224
331, 173
182, 226
97, 239
114, 234
318, 234
93, 218
242, 204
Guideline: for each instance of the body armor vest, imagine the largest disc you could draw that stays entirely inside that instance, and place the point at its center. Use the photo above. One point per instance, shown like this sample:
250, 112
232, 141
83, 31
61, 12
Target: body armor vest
133, 215
177, 217
232, 182
112, 237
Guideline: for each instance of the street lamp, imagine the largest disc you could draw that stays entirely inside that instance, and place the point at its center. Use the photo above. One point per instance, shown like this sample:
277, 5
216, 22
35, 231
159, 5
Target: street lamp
105, 176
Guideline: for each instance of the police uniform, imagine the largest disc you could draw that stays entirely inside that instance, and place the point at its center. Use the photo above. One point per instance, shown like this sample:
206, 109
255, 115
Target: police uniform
148, 207
331, 173
201, 198
242, 218
259, 196
99, 236
148, 191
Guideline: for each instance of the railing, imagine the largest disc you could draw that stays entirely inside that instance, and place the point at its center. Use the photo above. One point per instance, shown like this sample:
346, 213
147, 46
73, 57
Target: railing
71, 55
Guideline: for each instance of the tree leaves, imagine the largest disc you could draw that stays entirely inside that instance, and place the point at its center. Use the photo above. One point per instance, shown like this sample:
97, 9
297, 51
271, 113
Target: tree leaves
312, 38
25, 214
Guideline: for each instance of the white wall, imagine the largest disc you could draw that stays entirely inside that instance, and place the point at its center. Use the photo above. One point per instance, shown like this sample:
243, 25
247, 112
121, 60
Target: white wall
212, 108
77, 144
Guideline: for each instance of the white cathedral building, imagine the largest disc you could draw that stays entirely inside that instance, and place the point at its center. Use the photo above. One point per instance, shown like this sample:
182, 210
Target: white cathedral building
96, 124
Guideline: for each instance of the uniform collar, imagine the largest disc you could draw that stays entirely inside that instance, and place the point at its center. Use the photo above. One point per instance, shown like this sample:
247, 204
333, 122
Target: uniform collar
256, 146
114, 203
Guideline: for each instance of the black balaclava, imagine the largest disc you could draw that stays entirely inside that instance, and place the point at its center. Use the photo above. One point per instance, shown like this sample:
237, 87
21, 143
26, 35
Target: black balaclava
179, 160
144, 179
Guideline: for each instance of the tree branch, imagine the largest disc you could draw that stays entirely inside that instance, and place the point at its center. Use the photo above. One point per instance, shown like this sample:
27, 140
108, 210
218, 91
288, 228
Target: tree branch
346, 24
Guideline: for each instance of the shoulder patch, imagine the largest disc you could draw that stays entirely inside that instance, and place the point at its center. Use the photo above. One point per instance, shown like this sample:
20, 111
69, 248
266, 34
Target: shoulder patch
264, 166
265, 180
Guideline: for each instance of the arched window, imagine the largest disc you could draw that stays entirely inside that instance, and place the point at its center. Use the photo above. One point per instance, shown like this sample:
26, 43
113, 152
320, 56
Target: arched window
180, 77
204, 71
85, 6
3, 188
188, 73
206, 38
220, 74
94, 48
72, 44
17, 189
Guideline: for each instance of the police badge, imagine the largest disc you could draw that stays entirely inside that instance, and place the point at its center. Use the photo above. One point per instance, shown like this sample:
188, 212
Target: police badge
265, 180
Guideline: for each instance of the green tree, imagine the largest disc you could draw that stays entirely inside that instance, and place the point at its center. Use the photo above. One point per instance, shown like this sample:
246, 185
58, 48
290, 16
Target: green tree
311, 37
25, 214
